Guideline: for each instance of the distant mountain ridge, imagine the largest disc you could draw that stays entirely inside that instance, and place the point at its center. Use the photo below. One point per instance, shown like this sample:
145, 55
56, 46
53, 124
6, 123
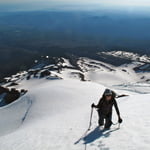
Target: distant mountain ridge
72, 66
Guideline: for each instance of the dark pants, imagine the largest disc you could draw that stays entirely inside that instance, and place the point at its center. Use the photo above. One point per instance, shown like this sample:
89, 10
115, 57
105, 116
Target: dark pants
105, 117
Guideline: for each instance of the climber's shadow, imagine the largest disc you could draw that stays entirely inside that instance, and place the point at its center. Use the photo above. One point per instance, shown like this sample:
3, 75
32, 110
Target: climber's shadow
96, 134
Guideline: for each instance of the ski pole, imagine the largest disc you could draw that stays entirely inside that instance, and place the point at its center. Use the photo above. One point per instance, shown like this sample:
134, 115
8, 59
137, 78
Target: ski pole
90, 123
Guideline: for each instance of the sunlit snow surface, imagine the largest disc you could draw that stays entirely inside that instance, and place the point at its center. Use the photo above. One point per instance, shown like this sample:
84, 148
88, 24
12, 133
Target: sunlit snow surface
54, 114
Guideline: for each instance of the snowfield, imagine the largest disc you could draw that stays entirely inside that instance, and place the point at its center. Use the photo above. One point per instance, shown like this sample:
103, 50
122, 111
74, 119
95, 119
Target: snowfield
54, 115
55, 112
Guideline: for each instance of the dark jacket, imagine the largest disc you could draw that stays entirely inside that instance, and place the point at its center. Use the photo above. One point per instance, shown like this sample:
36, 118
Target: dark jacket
105, 107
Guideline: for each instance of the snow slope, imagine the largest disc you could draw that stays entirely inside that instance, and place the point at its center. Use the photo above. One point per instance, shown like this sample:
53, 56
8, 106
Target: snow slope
13, 115
55, 112
59, 115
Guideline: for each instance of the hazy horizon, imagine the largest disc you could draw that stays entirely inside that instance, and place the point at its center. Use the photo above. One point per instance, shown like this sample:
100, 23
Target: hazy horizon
128, 6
